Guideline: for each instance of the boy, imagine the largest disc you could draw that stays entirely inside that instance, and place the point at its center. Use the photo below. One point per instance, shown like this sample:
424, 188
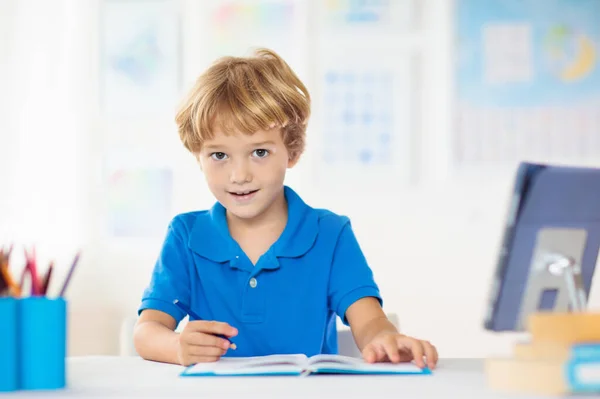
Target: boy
261, 268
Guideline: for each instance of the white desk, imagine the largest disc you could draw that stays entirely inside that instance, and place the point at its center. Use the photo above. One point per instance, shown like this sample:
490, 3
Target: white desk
126, 377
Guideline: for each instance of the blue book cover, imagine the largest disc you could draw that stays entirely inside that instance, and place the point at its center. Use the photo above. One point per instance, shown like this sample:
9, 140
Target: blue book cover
583, 375
586, 351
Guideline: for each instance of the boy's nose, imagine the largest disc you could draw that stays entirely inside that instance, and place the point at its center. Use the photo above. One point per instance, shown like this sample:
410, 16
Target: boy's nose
240, 174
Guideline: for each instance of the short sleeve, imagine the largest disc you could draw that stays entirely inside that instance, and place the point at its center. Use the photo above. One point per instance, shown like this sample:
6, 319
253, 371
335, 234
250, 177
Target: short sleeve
170, 278
351, 277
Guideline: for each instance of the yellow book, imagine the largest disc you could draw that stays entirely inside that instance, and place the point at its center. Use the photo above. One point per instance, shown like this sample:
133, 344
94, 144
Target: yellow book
564, 327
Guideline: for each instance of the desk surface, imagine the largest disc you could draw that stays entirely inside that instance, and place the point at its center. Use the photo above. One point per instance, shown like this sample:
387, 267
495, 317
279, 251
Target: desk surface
128, 377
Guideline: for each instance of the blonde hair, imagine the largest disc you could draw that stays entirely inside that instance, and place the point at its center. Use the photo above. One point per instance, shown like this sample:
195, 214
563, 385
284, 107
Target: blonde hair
246, 94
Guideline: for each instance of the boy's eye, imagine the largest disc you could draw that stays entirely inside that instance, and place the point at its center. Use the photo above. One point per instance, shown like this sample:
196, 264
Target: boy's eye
218, 156
260, 153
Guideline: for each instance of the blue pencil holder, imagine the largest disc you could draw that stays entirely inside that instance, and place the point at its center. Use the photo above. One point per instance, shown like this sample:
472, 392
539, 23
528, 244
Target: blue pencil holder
8, 345
42, 329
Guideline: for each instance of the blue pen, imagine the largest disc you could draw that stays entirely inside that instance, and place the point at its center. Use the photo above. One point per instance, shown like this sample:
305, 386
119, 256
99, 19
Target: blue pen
188, 311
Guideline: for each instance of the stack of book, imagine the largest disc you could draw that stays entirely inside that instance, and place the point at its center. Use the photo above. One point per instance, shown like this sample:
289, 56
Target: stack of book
561, 357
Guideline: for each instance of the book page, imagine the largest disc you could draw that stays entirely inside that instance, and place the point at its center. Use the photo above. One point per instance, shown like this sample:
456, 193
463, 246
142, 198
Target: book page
344, 363
334, 359
251, 365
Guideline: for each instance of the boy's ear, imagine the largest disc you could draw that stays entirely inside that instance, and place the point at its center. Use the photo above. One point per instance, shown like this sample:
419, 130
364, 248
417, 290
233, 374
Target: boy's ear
294, 158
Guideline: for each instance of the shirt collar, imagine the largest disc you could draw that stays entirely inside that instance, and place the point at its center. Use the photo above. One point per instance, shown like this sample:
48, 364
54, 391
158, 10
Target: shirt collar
210, 236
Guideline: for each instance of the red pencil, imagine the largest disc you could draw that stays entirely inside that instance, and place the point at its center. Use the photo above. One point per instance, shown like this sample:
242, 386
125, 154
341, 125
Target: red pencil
32, 267
46, 282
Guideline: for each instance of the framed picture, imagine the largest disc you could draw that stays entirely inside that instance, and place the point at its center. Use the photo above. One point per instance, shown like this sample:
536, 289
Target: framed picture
138, 195
140, 58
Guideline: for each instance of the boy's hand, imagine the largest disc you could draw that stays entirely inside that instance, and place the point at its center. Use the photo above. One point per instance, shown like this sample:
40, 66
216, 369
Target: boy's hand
198, 342
393, 347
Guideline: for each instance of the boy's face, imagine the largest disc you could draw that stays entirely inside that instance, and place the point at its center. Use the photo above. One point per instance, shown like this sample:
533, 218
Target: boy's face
246, 172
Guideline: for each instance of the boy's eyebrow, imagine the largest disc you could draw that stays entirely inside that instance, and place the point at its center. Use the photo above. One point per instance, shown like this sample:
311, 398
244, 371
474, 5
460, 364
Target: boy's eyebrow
220, 146
262, 143
213, 146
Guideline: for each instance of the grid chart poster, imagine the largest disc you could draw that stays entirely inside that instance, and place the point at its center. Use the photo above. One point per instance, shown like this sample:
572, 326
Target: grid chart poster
364, 110
528, 82
359, 121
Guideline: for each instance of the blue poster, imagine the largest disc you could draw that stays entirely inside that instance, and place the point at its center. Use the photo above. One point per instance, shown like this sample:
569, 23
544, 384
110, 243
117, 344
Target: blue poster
527, 76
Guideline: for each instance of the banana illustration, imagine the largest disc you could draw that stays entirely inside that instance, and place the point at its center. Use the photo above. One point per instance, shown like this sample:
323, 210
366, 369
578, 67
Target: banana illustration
583, 63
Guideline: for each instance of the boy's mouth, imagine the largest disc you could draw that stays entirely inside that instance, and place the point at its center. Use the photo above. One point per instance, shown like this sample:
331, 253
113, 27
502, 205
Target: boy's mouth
243, 195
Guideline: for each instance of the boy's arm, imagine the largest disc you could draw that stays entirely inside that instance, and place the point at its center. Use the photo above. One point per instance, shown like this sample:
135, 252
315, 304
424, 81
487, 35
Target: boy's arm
154, 337
367, 319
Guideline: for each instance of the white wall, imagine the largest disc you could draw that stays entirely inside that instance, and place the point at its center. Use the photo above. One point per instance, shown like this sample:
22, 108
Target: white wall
432, 246
7, 12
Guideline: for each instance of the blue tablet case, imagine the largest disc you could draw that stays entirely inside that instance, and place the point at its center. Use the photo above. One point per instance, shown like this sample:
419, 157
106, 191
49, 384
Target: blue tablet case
554, 207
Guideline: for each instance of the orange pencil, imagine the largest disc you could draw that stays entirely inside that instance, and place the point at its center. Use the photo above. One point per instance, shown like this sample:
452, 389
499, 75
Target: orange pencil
12, 285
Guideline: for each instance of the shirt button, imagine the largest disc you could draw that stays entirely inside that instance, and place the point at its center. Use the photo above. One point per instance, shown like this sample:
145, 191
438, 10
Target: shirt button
253, 282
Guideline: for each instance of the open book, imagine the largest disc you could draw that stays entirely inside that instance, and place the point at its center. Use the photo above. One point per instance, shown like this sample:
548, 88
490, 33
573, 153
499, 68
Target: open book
298, 365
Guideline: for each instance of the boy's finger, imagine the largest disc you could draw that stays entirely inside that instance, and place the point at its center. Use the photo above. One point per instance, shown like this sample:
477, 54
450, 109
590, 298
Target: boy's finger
431, 354
203, 339
214, 327
391, 349
381, 356
195, 350
369, 354
417, 349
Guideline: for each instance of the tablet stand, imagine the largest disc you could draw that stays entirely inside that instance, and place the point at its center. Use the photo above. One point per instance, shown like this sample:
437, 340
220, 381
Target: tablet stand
555, 282
570, 270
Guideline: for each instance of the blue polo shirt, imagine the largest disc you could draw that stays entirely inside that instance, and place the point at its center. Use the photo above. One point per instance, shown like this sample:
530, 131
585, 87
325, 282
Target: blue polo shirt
287, 302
